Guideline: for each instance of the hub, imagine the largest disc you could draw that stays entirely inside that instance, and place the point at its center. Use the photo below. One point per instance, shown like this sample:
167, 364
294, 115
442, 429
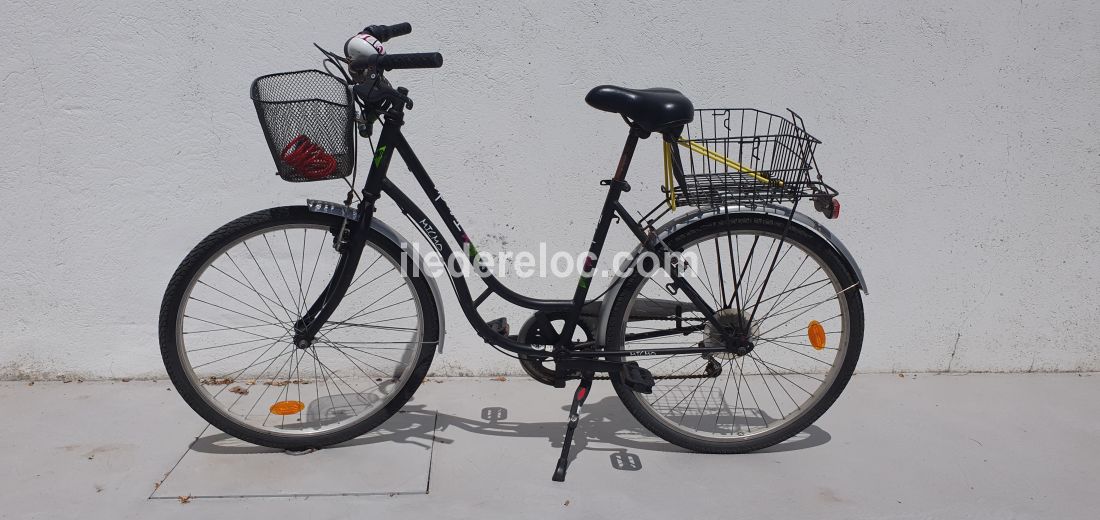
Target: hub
735, 334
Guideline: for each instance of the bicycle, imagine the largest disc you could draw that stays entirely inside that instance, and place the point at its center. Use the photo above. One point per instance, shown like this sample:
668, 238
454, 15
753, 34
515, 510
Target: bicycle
331, 289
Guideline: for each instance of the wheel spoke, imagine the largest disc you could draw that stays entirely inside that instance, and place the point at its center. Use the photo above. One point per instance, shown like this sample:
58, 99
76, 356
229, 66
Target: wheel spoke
275, 258
263, 273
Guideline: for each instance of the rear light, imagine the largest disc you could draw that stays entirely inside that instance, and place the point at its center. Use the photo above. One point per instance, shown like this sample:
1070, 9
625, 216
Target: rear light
828, 206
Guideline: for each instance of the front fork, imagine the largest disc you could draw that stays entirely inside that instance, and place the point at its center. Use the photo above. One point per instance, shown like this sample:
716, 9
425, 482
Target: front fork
350, 241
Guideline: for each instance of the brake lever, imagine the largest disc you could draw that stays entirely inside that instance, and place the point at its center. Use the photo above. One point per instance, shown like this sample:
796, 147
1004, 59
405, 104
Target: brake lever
403, 95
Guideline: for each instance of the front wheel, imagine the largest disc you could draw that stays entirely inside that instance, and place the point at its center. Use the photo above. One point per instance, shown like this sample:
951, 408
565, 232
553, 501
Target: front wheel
227, 323
804, 336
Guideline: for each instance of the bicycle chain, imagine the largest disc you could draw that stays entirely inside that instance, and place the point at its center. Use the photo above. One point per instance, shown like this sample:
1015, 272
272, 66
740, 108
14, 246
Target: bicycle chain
699, 376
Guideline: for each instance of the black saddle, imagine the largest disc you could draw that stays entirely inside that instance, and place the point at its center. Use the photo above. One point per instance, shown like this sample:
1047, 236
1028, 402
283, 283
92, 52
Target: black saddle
652, 109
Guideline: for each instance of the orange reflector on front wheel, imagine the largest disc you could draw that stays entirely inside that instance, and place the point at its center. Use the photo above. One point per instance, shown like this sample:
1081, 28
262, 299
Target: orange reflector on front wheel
816, 333
287, 407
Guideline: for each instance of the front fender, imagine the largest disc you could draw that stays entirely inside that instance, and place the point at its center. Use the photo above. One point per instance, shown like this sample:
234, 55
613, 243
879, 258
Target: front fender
691, 217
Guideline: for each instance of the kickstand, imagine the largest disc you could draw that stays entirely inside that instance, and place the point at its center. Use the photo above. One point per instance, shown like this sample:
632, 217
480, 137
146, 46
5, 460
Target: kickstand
574, 417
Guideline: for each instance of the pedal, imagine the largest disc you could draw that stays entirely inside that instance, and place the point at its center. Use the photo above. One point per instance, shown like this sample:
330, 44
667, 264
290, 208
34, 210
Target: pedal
637, 378
713, 368
499, 325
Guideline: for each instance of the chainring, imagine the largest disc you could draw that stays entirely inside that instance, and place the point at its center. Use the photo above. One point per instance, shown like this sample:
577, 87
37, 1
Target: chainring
534, 330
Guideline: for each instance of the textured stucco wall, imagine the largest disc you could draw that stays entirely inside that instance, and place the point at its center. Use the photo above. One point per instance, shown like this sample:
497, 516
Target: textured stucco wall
962, 134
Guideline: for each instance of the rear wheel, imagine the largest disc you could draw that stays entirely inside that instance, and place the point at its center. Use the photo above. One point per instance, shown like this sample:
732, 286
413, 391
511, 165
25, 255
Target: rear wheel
803, 339
227, 321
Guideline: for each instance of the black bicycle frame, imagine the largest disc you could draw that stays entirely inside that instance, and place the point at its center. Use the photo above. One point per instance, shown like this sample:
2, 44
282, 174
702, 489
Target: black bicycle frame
390, 140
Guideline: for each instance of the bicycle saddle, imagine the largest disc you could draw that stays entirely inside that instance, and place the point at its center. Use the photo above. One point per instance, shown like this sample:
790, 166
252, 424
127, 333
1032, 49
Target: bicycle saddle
652, 109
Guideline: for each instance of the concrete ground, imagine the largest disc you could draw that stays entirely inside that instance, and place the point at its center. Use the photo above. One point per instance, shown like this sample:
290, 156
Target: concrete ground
923, 446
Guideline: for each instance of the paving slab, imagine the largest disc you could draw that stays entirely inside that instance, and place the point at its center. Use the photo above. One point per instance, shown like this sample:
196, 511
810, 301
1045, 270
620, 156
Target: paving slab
382, 462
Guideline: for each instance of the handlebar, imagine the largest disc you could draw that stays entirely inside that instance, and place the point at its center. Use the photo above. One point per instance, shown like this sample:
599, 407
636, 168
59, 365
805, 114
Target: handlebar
413, 60
384, 32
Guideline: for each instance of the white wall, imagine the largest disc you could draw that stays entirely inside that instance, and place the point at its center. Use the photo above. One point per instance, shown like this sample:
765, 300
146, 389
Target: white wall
963, 136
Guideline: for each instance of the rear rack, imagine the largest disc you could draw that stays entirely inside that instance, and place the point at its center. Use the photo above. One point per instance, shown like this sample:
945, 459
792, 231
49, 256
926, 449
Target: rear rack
742, 156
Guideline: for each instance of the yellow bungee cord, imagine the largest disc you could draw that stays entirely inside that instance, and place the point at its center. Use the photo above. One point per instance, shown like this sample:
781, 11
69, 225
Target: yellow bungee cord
670, 196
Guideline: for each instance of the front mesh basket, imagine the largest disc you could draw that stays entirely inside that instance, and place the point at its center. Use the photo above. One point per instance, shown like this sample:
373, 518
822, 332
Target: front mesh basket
308, 118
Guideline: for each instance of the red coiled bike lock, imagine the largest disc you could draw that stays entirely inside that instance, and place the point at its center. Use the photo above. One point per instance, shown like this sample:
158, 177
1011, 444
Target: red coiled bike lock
308, 158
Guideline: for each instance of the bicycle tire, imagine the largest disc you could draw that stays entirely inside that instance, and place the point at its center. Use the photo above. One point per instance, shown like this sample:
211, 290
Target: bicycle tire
176, 359
746, 223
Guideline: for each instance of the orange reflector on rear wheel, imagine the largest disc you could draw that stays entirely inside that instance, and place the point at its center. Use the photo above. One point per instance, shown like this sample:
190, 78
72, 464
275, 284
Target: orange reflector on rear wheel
816, 333
287, 407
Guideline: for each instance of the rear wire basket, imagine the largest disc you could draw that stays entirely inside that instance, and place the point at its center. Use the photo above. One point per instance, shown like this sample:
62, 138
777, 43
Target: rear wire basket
308, 118
743, 156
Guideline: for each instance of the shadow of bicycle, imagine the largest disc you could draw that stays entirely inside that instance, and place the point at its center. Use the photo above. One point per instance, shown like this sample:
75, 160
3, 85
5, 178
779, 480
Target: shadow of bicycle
605, 426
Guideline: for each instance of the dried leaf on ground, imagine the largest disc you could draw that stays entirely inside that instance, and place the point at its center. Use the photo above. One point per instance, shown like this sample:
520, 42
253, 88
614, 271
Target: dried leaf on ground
500, 378
217, 381
239, 390
284, 382
185, 499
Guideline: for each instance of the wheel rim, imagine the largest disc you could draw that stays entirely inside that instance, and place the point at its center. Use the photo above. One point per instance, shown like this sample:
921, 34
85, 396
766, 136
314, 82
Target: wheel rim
754, 394
235, 324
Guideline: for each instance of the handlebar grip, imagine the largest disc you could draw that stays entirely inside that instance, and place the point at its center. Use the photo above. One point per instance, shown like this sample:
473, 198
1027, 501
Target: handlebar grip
385, 32
413, 60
